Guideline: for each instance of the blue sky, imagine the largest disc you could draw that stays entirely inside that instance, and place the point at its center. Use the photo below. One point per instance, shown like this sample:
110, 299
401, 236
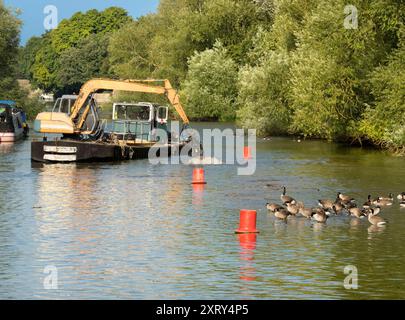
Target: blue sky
32, 11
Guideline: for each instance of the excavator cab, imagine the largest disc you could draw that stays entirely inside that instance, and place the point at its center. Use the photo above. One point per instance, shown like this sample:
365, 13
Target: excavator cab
137, 122
62, 123
64, 104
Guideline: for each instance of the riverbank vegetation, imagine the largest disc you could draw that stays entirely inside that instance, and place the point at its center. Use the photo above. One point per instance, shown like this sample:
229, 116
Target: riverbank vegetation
9, 52
314, 68
9, 38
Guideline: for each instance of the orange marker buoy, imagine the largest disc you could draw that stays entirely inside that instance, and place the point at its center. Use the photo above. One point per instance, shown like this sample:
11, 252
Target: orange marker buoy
248, 220
247, 153
198, 176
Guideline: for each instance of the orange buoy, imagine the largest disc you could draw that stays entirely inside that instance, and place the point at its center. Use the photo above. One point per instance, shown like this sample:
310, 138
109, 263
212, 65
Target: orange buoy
198, 176
247, 153
248, 220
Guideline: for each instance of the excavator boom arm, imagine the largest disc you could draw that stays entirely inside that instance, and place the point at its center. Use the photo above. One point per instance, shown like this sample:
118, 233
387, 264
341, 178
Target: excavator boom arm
143, 86
61, 123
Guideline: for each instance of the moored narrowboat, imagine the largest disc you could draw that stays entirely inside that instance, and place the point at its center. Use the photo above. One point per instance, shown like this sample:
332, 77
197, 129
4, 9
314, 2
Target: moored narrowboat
13, 122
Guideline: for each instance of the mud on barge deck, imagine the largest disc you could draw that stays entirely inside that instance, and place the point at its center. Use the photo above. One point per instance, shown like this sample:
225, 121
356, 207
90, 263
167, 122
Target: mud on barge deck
97, 151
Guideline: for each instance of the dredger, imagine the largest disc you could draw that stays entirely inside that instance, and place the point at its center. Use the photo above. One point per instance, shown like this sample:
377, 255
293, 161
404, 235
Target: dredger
83, 134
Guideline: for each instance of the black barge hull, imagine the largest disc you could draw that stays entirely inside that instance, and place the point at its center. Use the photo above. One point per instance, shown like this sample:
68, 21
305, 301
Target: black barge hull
80, 151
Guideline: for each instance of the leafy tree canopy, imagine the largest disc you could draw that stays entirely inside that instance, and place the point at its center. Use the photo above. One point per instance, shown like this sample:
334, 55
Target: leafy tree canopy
210, 88
44, 67
9, 39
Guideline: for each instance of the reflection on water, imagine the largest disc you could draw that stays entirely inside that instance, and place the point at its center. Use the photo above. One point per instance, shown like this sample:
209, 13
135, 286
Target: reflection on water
198, 195
247, 244
133, 230
6, 147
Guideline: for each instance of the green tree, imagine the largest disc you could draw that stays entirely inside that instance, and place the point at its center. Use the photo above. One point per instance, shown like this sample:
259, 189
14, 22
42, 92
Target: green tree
9, 39
263, 95
130, 49
234, 23
330, 68
27, 56
79, 64
210, 89
44, 68
384, 121
170, 37
70, 34
325, 85
264, 84
71, 31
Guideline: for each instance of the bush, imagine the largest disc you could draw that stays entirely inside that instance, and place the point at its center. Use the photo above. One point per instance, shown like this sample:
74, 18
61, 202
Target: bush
384, 121
263, 95
210, 89
322, 95
32, 106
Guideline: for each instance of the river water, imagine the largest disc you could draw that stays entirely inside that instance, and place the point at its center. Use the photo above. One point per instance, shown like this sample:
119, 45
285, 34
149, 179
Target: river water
133, 230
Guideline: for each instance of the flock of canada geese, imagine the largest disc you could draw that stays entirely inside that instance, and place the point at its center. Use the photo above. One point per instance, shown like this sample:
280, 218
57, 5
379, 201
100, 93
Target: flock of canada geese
343, 204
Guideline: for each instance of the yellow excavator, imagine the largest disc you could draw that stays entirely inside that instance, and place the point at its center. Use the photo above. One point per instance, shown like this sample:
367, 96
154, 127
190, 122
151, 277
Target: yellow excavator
74, 124
83, 135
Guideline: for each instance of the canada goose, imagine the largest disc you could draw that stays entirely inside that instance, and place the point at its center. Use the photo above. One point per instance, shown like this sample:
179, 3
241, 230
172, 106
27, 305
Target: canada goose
376, 220
344, 197
338, 207
356, 212
402, 204
305, 212
326, 204
372, 210
368, 203
273, 207
300, 204
281, 214
349, 206
292, 209
286, 199
376, 210
383, 202
319, 215
401, 196
389, 198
